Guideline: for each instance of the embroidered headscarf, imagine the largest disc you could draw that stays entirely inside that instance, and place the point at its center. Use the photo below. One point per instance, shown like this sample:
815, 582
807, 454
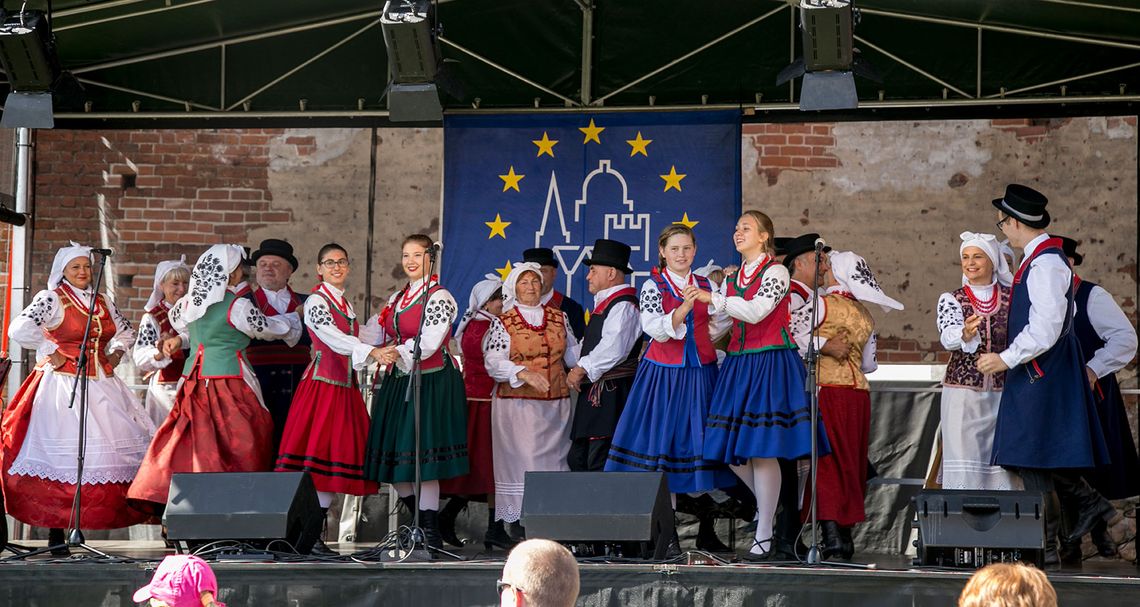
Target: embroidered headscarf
480, 294
509, 299
160, 272
63, 257
210, 279
989, 245
855, 276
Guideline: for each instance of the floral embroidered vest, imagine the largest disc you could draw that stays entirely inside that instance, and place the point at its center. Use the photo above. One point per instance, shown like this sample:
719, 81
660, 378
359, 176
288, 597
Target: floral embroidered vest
849, 318
962, 370
68, 336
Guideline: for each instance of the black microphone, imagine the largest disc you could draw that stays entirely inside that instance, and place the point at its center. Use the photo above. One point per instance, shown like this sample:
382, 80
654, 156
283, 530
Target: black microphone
103, 252
819, 244
435, 247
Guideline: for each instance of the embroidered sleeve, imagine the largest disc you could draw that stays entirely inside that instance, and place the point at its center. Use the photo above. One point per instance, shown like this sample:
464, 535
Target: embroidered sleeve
870, 360
319, 320
28, 328
497, 353
124, 332
951, 321
145, 349
245, 317
439, 314
654, 321
801, 324
773, 287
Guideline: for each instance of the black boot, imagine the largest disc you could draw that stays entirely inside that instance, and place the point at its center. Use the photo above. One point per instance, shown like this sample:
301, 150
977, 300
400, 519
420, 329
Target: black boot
1103, 541
517, 531
447, 517
409, 503
429, 522
673, 549
707, 539
320, 548
832, 542
1092, 506
496, 536
58, 541
1053, 518
848, 550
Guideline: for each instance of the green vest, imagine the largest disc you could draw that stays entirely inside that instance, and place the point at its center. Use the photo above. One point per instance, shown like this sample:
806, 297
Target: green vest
216, 342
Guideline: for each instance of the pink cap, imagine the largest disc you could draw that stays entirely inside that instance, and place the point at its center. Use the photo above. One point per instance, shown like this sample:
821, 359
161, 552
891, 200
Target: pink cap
180, 581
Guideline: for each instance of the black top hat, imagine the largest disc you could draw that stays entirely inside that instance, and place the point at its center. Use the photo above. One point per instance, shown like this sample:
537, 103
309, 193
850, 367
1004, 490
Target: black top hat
781, 243
1024, 204
804, 243
541, 255
1070, 247
610, 253
274, 246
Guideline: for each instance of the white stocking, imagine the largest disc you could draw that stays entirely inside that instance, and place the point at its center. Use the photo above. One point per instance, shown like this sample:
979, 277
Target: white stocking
429, 493
404, 489
325, 498
766, 478
744, 471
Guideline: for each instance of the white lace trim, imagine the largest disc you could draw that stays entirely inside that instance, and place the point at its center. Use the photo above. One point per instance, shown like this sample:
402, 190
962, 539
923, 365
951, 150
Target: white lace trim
117, 474
510, 513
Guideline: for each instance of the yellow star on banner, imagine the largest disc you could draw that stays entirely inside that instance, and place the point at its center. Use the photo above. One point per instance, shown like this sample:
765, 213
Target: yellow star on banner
638, 145
672, 180
503, 271
511, 180
591, 132
685, 221
545, 145
497, 227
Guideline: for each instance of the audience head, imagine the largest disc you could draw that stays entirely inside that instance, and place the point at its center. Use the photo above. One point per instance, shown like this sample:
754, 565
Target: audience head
539, 573
180, 581
1008, 585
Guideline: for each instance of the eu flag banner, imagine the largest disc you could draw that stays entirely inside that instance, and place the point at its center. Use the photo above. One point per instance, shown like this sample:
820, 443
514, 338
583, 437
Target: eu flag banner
512, 182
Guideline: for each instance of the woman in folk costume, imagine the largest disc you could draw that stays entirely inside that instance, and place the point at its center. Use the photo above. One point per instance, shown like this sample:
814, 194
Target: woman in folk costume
40, 427
219, 422
391, 456
528, 351
973, 320
163, 368
662, 426
847, 347
484, 305
327, 428
758, 410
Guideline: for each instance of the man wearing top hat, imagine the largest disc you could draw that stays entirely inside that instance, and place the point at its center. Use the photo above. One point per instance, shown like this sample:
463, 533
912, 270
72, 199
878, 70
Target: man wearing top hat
1047, 424
278, 367
544, 257
612, 342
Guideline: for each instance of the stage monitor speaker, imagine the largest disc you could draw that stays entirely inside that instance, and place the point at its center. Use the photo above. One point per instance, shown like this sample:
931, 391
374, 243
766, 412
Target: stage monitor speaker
262, 509
599, 507
972, 529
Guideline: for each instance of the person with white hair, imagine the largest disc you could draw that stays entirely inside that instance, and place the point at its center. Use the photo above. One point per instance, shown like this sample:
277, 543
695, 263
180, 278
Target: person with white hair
973, 320
528, 351
161, 368
38, 456
847, 331
219, 422
539, 573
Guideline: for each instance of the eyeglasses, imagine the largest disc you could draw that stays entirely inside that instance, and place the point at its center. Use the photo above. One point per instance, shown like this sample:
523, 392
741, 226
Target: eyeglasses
329, 264
500, 586
1000, 223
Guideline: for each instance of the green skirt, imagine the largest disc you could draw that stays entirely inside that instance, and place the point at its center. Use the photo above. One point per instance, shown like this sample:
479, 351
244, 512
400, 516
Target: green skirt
391, 456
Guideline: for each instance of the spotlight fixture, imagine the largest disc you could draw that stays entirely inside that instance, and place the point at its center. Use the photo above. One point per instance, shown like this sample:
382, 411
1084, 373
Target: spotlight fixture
28, 56
413, 61
830, 60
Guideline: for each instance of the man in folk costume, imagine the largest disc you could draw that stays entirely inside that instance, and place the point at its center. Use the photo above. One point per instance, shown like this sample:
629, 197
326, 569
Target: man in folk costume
1108, 343
847, 332
278, 365
1047, 424
544, 257
604, 373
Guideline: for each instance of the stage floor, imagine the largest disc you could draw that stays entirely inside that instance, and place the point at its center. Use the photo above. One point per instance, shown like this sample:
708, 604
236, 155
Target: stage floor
79, 580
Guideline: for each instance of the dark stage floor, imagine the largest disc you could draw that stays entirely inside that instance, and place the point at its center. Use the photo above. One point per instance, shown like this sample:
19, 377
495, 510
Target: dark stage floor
79, 580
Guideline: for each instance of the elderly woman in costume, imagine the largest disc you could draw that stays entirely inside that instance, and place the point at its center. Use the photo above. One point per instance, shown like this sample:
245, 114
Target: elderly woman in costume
327, 428
972, 320
846, 332
219, 422
163, 368
391, 456
41, 428
484, 305
528, 351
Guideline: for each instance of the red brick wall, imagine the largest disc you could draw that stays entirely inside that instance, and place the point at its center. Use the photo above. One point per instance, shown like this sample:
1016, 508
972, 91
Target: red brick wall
795, 147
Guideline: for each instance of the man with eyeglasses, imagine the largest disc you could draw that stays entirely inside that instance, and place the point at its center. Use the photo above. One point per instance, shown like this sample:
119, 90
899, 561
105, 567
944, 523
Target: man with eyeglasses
278, 367
539, 573
1047, 426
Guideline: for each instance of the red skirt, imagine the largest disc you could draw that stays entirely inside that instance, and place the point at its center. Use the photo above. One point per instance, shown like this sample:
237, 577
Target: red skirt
326, 435
216, 425
481, 478
46, 503
841, 478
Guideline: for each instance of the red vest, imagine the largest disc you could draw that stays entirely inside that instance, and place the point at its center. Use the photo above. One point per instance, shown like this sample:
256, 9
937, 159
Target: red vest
672, 353
403, 324
772, 332
479, 385
276, 352
172, 372
69, 334
328, 365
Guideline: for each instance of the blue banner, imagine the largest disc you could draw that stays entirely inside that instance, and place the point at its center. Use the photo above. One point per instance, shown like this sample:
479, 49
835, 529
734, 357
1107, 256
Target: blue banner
512, 182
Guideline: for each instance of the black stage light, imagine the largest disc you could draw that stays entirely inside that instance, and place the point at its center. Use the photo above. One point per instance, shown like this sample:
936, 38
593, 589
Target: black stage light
829, 59
27, 53
413, 61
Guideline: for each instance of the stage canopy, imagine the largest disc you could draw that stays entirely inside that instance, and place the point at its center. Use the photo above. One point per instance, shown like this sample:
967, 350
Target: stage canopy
296, 60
